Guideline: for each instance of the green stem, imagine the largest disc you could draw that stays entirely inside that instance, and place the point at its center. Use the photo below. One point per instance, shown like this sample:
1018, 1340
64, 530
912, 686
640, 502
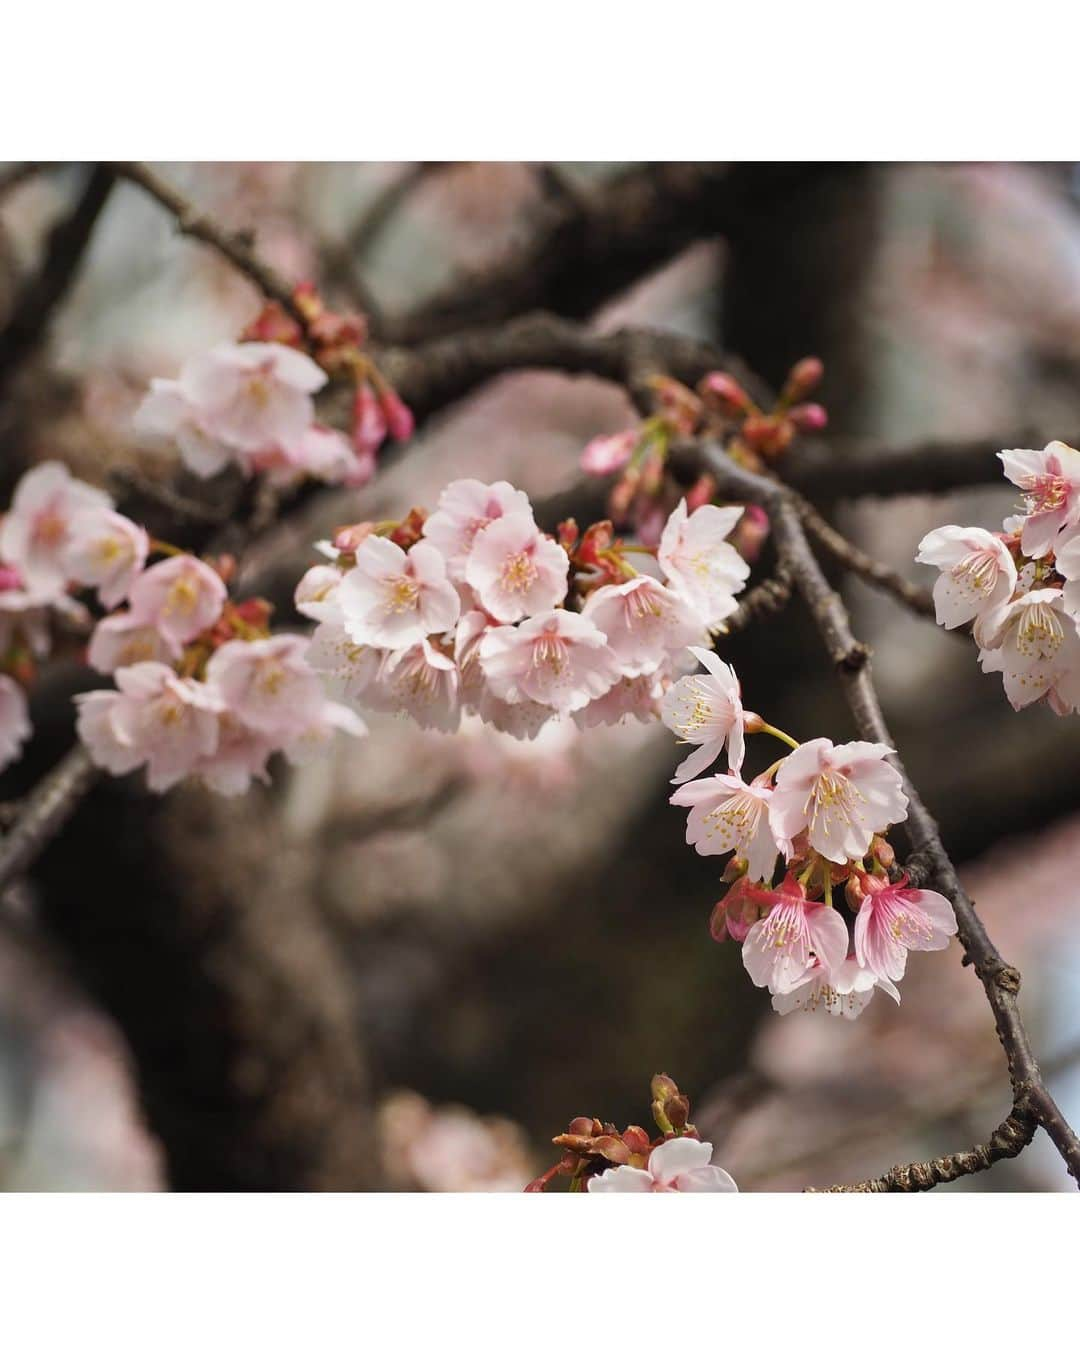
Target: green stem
780, 735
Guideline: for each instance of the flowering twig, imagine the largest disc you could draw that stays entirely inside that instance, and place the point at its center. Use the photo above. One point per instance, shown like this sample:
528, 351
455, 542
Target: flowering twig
851, 658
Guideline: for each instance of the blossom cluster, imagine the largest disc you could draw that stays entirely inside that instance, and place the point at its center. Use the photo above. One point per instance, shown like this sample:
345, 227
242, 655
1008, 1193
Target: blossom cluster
202, 688
601, 1159
1019, 587
823, 811
475, 609
251, 403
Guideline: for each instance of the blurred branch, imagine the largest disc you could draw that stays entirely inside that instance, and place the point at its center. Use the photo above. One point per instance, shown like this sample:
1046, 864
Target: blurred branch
851, 557
44, 813
39, 297
16, 174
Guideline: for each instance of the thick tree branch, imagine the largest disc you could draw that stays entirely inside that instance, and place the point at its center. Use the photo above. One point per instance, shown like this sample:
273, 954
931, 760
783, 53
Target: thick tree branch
39, 296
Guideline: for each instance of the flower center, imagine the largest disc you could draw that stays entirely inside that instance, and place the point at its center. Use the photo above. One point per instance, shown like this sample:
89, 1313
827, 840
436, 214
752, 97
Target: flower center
643, 606
1044, 493
402, 594
550, 651
1039, 633
977, 572
736, 818
833, 796
50, 529
182, 597
518, 573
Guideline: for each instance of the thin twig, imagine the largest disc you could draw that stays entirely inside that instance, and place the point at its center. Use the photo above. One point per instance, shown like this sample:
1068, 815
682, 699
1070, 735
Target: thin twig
45, 811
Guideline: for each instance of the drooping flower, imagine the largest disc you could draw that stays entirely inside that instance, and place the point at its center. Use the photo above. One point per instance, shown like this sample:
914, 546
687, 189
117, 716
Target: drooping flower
681, 1164
977, 572
842, 795
35, 532
15, 726
181, 596
120, 640
644, 621
349, 669
635, 696
522, 720
395, 599
730, 816
699, 563
515, 570
266, 684
1035, 644
735, 914
780, 948
895, 918
844, 992
253, 395
106, 550
421, 681
559, 659
706, 711
466, 507
310, 738
240, 755
314, 595
153, 717
1050, 482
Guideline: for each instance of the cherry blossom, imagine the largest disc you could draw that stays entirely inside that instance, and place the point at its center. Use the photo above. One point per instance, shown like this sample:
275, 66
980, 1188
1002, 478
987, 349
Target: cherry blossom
181, 596
394, 599
728, 815
844, 992
515, 570
25, 608
466, 507
681, 1164
240, 755
266, 684
314, 596
699, 563
637, 697
895, 918
523, 719
421, 681
706, 711
166, 414
1067, 563
349, 668
780, 949
840, 794
153, 717
253, 395
35, 532
1050, 482
1035, 644
311, 738
107, 551
559, 659
977, 572
609, 454
643, 622
15, 726
121, 640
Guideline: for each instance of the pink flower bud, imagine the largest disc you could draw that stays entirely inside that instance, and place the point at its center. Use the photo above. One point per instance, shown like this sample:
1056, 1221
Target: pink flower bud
805, 375
369, 421
809, 417
703, 491
10, 578
751, 532
399, 419
724, 394
608, 454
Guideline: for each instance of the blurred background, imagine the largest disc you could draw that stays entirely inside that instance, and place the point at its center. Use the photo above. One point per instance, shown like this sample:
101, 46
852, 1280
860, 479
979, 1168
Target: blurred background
409, 964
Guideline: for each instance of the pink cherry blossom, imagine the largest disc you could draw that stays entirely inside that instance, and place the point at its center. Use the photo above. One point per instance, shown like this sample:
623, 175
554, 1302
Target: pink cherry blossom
559, 659
643, 622
522, 720
106, 550
1067, 562
681, 1164
181, 596
1050, 482
638, 697
728, 815
1035, 644
253, 395
466, 507
166, 414
36, 530
780, 948
421, 681
121, 640
240, 755
311, 738
25, 608
154, 717
843, 993
609, 454
977, 572
15, 726
515, 570
840, 794
395, 599
266, 684
699, 563
706, 711
895, 918
349, 669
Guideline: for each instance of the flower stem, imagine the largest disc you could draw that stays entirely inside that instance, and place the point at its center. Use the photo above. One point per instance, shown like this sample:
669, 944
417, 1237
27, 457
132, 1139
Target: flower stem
780, 735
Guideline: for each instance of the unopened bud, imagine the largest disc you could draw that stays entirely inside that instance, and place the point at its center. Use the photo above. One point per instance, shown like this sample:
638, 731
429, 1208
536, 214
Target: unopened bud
809, 417
566, 532
882, 852
703, 491
678, 1111
399, 419
805, 375
410, 530
663, 1088
768, 435
369, 421
348, 538
723, 394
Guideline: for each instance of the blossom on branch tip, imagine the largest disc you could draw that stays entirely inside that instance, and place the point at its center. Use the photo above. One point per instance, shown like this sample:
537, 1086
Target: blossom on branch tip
895, 918
681, 1164
1050, 482
843, 992
698, 561
841, 795
780, 949
706, 710
253, 395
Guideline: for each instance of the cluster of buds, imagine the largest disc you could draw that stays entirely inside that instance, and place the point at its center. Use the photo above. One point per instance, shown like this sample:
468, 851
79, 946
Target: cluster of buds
601, 1158
1019, 588
822, 810
251, 403
475, 609
719, 408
